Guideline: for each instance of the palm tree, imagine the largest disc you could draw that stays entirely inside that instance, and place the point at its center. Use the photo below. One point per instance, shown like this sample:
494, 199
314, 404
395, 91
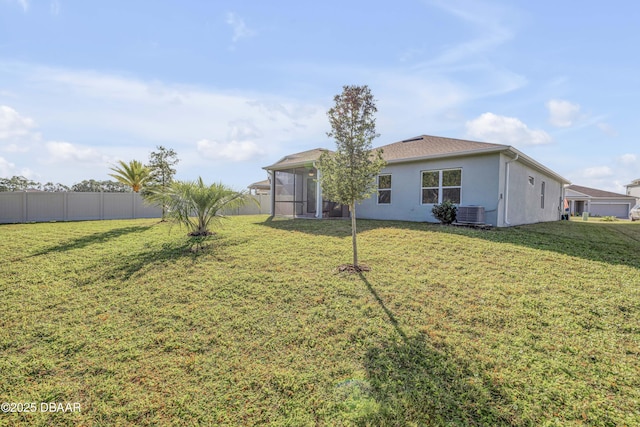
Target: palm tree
198, 206
134, 174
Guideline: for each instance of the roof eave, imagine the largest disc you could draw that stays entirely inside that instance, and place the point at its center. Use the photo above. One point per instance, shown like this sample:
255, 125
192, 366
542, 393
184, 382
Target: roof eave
275, 167
490, 150
444, 155
537, 165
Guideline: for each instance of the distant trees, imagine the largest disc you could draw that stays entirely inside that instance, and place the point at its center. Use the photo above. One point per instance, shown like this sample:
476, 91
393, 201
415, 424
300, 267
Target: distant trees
54, 188
20, 183
133, 174
92, 186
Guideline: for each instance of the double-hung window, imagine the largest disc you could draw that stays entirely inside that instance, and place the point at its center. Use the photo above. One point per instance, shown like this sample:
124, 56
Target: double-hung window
384, 189
441, 185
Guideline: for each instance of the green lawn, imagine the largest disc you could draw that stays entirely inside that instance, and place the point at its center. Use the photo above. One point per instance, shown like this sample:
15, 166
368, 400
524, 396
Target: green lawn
532, 326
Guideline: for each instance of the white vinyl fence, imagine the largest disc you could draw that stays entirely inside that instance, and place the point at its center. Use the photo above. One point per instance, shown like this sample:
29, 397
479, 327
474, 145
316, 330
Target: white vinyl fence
20, 206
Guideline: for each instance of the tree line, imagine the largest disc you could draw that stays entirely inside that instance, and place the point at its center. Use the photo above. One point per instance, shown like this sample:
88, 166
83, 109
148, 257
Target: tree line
129, 177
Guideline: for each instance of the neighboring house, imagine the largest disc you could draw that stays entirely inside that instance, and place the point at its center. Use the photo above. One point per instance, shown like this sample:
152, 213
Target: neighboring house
598, 202
260, 187
509, 187
633, 189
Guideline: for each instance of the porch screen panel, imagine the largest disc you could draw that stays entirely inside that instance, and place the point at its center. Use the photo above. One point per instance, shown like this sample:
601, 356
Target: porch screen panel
284, 192
298, 189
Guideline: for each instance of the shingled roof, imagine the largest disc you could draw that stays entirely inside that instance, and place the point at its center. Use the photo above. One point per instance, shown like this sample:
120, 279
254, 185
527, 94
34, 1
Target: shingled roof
298, 159
595, 193
420, 148
425, 146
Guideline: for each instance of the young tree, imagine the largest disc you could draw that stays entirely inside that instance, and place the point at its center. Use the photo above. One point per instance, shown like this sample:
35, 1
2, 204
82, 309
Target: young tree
161, 165
134, 174
348, 175
161, 172
198, 206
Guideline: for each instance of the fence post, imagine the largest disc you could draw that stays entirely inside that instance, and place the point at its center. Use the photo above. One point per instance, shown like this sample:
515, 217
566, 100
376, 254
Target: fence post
25, 213
65, 207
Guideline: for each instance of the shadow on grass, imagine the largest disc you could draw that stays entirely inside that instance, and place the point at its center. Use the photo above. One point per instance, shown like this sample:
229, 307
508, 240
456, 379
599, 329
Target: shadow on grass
611, 243
92, 239
185, 248
415, 383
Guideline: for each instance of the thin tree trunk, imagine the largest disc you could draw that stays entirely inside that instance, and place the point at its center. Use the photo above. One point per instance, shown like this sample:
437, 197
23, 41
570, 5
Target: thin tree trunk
352, 208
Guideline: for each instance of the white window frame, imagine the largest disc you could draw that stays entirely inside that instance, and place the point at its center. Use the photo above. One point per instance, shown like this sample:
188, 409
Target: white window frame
440, 187
384, 189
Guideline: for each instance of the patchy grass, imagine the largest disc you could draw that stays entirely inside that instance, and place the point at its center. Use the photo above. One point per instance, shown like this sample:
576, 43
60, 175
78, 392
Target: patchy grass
533, 325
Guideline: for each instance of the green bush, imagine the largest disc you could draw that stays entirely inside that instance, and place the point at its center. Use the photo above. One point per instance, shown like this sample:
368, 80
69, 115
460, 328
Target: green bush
445, 212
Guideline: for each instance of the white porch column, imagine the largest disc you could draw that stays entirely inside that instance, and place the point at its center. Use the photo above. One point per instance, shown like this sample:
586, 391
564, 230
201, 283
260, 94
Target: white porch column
272, 192
318, 195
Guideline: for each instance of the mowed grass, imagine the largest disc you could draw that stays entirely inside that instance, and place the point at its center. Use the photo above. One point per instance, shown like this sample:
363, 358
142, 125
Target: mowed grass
533, 325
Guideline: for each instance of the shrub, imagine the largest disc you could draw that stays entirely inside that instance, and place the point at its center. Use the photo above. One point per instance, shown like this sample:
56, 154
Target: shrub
445, 212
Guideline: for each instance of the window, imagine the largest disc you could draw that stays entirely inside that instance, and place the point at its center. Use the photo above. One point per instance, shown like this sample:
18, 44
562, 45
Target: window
532, 181
441, 185
384, 189
542, 196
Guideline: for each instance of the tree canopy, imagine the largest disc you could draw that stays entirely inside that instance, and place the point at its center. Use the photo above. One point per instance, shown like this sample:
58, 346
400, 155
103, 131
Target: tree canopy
161, 166
133, 174
161, 172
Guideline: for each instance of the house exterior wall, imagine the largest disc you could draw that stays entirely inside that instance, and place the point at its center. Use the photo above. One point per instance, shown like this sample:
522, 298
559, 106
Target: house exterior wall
524, 202
633, 190
484, 183
480, 186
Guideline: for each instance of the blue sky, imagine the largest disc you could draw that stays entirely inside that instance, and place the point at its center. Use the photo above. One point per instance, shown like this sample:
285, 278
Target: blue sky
233, 86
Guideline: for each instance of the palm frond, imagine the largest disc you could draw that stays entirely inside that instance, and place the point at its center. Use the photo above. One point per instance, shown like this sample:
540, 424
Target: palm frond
198, 206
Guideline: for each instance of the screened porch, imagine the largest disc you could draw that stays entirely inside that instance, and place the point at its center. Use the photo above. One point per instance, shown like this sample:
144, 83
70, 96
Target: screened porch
297, 193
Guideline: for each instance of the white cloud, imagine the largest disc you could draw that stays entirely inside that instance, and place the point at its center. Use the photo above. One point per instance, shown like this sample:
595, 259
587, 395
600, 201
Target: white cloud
628, 159
597, 172
240, 29
235, 151
606, 128
505, 130
103, 104
60, 151
9, 169
13, 125
563, 113
243, 129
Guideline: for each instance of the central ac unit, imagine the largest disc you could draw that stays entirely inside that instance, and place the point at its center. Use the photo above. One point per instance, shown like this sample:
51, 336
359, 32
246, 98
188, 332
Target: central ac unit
470, 214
